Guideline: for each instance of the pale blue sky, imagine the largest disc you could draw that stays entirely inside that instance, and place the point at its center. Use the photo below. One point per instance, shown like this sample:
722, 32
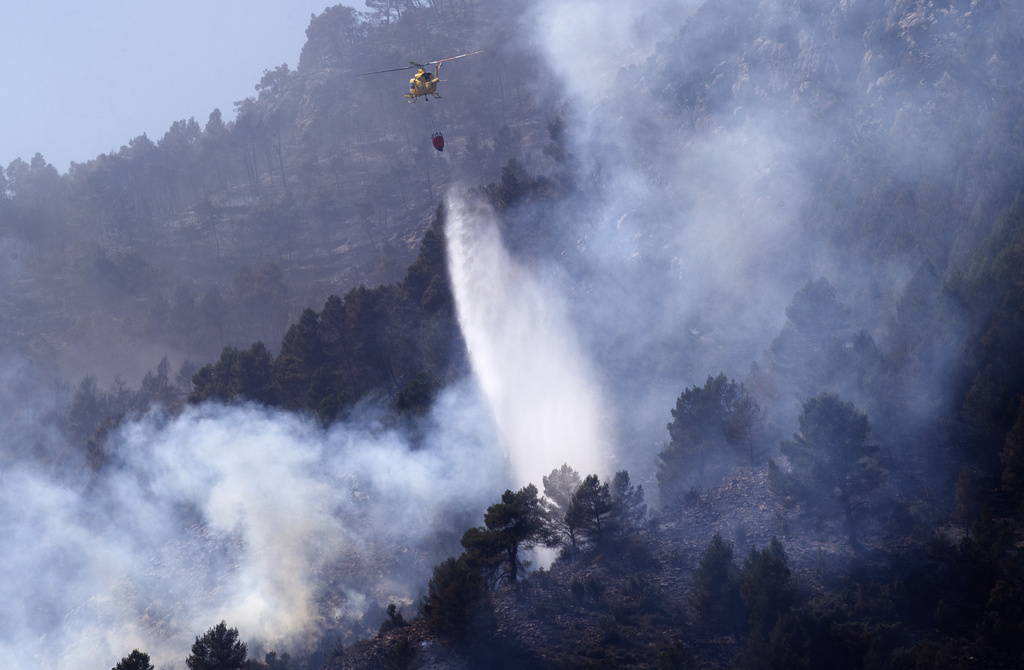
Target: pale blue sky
80, 78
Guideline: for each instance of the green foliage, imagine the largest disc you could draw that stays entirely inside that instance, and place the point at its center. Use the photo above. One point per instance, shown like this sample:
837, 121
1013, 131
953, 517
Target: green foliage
559, 487
991, 287
136, 660
401, 339
485, 552
986, 416
701, 413
218, 649
394, 620
714, 593
591, 512
746, 425
766, 588
847, 631
92, 412
814, 320
930, 321
458, 601
830, 456
301, 355
787, 646
516, 523
587, 514
817, 349
88, 407
237, 374
512, 188
703, 421
418, 395
629, 510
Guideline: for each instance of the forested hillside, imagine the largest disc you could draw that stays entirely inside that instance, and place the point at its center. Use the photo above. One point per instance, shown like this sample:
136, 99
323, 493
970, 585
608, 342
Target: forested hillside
223, 231
220, 233
787, 238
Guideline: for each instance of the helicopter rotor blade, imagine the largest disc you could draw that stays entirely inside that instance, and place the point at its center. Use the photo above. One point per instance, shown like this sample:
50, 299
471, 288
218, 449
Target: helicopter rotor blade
415, 64
394, 69
471, 53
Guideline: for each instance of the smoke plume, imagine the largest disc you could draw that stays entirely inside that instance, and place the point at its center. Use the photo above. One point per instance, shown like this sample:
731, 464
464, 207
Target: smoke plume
263, 519
688, 235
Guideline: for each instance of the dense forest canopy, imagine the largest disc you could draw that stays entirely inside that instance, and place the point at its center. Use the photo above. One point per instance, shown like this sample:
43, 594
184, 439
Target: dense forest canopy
755, 267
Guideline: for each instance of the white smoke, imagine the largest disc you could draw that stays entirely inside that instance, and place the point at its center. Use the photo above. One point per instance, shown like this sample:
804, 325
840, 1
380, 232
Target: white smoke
537, 380
684, 236
586, 42
240, 513
259, 518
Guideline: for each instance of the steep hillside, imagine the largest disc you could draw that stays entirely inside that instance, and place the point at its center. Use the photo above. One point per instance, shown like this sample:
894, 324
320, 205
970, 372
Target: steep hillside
780, 244
323, 180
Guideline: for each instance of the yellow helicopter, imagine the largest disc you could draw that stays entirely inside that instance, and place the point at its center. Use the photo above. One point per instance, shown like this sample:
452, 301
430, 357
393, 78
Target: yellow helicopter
423, 84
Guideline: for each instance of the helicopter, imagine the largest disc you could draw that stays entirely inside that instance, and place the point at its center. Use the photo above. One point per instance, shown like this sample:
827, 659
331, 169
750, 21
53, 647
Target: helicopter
423, 84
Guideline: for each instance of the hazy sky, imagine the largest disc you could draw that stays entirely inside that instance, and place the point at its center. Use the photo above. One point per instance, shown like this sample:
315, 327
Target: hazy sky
82, 78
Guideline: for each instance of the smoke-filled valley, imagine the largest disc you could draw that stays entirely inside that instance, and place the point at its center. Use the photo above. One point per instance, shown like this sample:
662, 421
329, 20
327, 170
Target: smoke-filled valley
698, 346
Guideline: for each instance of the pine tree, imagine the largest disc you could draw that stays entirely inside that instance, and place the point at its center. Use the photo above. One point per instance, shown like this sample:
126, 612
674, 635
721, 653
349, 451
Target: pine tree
458, 603
218, 649
697, 434
591, 510
831, 457
629, 509
766, 588
515, 524
714, 593
745, 425
559, 488
136, 660
1013, 459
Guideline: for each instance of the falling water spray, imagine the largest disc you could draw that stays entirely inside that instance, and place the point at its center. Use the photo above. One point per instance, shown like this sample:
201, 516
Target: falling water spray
531, 368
